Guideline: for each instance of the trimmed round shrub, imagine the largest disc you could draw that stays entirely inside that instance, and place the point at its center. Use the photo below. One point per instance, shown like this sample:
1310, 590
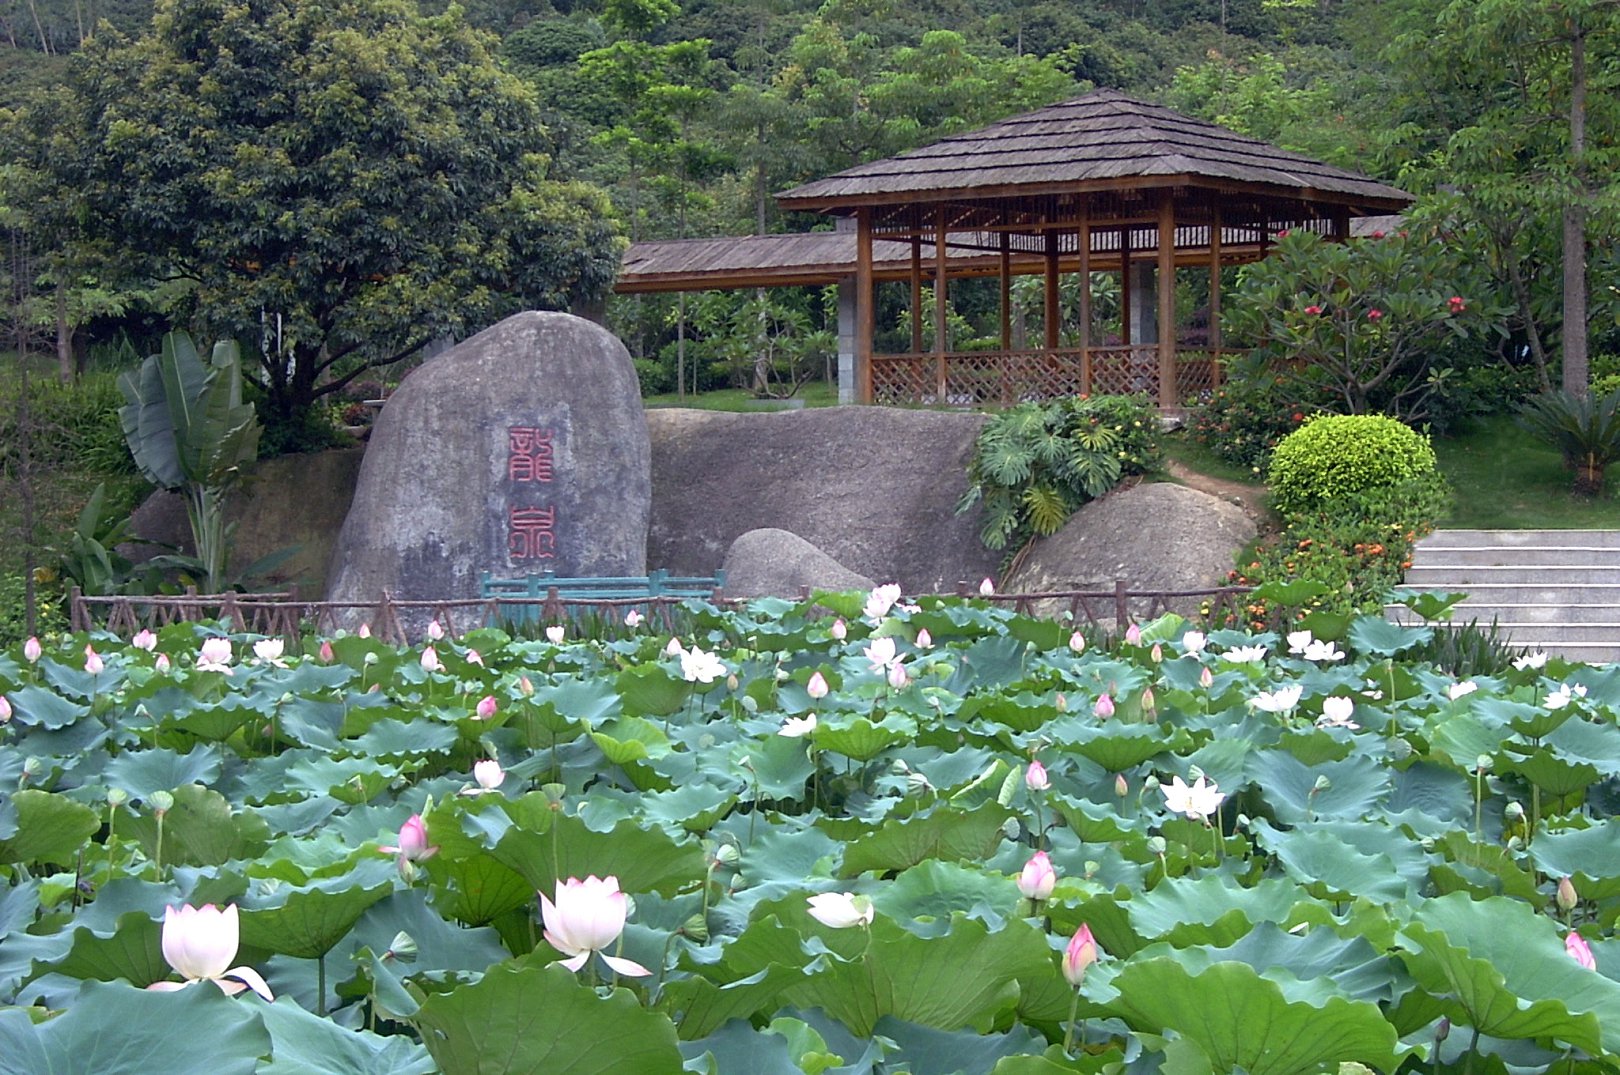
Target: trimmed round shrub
1335, 456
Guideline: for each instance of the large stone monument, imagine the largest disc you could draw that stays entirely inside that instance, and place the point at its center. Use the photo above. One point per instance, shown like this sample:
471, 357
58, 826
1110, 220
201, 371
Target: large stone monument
520, 450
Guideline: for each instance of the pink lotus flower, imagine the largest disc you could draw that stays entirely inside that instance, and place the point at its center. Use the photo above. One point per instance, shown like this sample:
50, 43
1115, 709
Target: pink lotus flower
5, 709
1104, 707
474, 657
588, 917
93, 662
144, 640
924, 639
327, 656
674, 648
487, 707
365, 630
1038, 877
632, 619
215, 656
839, 630
434, 631
162, 663
1133, 634
987, 587
413, 843
1579, 950
430, 660
1035, 778
898, 676
1080, 954
880, 654
32, 650
841, 910
199, 943
880, 601
488, 775
817, 687
1077, 642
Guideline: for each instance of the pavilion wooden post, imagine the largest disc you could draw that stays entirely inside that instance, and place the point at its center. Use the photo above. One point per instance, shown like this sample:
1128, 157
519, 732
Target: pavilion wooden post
1052, 314
1341, 223
1084, 268
865, 315
916, 293
942, 321
1005, 271
1215, 295
1125, 285
1169, 398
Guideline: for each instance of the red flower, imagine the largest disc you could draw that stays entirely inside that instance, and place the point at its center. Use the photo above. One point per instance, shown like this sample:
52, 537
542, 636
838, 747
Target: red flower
1298, 417
1457, 304
1374, 314
1377, 235
1313, 310
1283, 234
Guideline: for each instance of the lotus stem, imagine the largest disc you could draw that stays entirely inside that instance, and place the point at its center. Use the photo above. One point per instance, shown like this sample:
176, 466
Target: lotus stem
320, 984
1068, 1032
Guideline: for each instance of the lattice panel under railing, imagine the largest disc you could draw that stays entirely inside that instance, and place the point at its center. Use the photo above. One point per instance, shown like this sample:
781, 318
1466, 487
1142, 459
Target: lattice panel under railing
901, 379
1121, 371
1194, 377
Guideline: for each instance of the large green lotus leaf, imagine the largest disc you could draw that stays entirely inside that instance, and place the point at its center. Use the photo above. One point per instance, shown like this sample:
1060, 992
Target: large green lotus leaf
1330, 868
628, 739
311, 723
651, 691
1245, 1022
1551, 773
215, 721
199, 830
699, 1005
351, 780
1591, 856
778, 766
133, 952
523, 1018
860, 739
307, 920
945, 833
475, 890
1464, 738
115, 1029
545, 847
936, 890
305, 1044
395, 739
1529, 720
1502, 969
1054, 1062
1224, 760
1355, 786
1119, 747
922, 980
1212, 909
1316, 747
1443, 794
989, 664
1356, 969
50, 828
1024, 712
739, 1047
926, 1050
692, 807
37, 707
1482, 869
440, 945
142, 772
1379, 637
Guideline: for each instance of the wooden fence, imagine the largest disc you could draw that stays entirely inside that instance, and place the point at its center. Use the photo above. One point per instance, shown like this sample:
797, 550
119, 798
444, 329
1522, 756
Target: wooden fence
285, 614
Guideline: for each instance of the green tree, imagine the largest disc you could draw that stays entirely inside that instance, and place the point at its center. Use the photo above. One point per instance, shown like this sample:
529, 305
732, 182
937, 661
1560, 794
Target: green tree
365, 174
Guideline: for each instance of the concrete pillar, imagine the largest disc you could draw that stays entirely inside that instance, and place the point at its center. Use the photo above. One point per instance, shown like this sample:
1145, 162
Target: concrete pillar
846, 341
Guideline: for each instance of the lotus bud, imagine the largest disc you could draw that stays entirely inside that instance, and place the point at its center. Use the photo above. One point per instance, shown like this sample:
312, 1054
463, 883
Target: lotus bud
1567, 899
1133, 634
1038, 877
555, 634
732, 682
1442, 1030
487, 707
1150, 785
674, 648
1090, 868
1035, 778
93, 662
1322, 784
1062, 702
696, 928
1149, 702
1104, 707
32, 650
924, 639
365, 630
1156, 654
898, 677
1121, 787
817, 687
839, 630
1079, 955
525, 687
5, 709
1077, 642
986, 587
326, 651
434, 631
632, 619
1206, 679
161, 802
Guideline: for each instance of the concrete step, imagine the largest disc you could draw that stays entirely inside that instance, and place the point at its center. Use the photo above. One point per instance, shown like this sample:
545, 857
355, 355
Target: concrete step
1607, 539
1463, 576
1527, 615
1449, 556
1526, 593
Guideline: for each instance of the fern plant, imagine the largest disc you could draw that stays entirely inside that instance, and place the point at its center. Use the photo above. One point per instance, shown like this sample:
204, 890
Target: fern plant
1585, 428
1035, 464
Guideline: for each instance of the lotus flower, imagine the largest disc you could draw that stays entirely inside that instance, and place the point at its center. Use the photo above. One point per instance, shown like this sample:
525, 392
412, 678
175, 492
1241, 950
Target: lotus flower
700, 667
880, 653
32, 650
1298, 640
555, 634
487, 707
1156, 653
1206, 679
430, 660
1103, 707
1077, 642
1245, 654
144, 640
269, 650
1193, 642
199, 943
1579, 950
1530, 660
1038, 877
674, 648
841, 910
364, 631
1563, 695
898, 677
1035, 778
839, 630
434, 631
413, 842
798, 727
474, 657
1197, 801
1336, 713
880, 601
327, 656
633, 618
93, 662
1322, 650
588, 917
162, 663
1133, 634
817, 687
5, 709
1281, 700
987, 587
924, 639
1079, 955
488, 775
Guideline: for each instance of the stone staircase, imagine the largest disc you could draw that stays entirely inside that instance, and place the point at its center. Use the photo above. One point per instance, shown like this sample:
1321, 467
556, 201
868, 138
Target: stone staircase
1552, 590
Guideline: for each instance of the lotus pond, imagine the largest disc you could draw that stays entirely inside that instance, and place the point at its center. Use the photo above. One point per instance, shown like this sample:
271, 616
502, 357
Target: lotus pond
1294, 854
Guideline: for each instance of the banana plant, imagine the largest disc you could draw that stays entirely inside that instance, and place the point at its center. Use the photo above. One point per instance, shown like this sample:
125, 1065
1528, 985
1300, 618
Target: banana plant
190, 431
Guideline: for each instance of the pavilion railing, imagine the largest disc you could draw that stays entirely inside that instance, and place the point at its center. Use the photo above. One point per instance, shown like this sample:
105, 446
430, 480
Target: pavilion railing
1004, 378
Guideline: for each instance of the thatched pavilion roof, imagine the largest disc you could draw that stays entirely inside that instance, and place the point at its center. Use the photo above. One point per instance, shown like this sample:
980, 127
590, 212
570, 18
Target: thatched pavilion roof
1103, 141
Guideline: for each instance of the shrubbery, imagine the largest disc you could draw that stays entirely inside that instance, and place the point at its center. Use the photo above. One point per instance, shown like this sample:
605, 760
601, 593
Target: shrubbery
1035, 464
1245, 418
1356, 492
74, 425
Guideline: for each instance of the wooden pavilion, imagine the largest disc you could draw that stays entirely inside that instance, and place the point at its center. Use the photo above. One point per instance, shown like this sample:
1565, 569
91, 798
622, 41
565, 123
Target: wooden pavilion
1102, 183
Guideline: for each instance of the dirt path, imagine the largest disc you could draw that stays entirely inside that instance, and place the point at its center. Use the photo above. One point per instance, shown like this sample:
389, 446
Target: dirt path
1248, 497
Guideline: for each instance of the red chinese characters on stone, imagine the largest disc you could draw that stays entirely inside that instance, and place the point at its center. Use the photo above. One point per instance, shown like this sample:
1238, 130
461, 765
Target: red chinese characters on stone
529, 454
531, 533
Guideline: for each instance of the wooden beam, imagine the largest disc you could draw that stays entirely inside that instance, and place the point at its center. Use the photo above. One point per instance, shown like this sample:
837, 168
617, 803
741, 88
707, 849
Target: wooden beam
942, 319
865, 315
1169, 397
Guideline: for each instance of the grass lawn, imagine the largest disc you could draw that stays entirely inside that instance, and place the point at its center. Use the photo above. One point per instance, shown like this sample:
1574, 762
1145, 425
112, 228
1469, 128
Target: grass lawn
814, 394
1506, 479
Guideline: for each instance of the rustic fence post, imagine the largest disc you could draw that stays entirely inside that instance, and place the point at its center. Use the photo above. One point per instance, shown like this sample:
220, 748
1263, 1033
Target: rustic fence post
1122, 606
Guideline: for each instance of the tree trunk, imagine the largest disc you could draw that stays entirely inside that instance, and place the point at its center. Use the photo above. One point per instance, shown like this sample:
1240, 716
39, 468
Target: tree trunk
66, 366
1576, 369
1588, 478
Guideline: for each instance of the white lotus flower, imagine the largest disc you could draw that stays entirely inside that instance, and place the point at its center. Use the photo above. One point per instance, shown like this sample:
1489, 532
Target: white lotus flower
1197, 801
880, 600
700, 667
1281, 700
1336, 713
841, 910
1461, 689
1299, 640
1531, 660
1245, 654
798, 727
1193, 643
880, 652
1322, 650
